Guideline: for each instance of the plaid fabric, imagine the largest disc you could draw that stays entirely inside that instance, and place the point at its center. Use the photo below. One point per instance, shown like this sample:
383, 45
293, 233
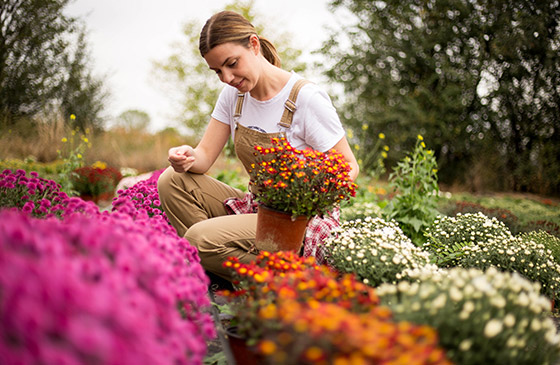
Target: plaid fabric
318, 229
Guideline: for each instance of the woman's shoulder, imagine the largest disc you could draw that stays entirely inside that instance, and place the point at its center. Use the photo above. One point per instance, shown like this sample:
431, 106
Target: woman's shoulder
312, 94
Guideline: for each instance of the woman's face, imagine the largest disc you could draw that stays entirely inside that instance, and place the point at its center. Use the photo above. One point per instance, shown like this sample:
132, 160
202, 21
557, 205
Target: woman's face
235, 64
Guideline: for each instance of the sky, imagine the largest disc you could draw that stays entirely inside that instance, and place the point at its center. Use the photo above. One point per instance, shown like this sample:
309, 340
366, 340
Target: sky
125, 37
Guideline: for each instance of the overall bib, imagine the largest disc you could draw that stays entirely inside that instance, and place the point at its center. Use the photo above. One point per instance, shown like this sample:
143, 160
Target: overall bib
190, 200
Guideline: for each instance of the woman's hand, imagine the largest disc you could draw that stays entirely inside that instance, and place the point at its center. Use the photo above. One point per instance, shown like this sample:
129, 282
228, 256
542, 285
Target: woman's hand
181, 158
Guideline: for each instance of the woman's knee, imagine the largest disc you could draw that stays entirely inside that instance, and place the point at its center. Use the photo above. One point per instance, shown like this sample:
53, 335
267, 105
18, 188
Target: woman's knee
164, 182
197, 235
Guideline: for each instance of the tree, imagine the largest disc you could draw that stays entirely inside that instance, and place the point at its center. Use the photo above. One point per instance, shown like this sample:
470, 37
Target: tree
196, 87
477, 78
82, 93
44, 62
32, 51
133, 120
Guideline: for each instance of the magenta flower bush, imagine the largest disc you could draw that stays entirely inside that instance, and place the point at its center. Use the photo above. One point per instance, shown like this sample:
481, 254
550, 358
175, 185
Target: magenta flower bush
39, 197
144, 197
99, 289
84, 286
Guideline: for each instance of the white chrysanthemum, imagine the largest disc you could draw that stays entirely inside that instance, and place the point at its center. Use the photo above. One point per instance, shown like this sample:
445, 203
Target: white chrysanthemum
492, 328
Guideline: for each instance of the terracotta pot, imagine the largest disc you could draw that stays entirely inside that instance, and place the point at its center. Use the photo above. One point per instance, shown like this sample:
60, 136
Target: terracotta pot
277, 231
242, 353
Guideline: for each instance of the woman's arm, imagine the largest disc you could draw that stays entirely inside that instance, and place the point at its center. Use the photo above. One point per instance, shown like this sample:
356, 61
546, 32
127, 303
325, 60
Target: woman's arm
200, 159
343, 147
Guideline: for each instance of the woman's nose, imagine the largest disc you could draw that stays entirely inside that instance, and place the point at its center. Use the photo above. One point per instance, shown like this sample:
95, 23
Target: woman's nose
227, 77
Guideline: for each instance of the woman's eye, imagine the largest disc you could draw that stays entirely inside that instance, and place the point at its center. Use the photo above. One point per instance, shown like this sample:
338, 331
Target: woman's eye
233, 63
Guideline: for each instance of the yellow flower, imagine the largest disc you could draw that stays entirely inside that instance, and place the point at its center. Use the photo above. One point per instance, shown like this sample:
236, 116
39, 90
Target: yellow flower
434, 171
381, 136
423, 145
350, 133
72, 116
85, 139
64, 140
364, 127
386, 148
356, 147
384, 154
79, 155
420, 137
99, 164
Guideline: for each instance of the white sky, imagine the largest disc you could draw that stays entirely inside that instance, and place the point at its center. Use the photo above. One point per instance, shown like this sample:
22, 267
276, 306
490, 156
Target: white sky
126, 36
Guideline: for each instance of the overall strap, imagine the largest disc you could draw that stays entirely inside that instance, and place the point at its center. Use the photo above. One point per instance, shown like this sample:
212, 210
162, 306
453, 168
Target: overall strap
238, 106
290, 104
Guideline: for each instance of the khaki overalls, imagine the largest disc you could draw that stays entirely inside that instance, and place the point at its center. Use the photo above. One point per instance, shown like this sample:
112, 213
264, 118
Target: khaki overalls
190, 200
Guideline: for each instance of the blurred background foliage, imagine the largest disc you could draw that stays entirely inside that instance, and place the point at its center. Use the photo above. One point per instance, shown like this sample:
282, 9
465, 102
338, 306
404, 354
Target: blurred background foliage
477, 79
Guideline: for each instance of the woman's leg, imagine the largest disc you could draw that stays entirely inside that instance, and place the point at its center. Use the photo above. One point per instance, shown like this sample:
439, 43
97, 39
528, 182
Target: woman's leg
188, 198
221, 237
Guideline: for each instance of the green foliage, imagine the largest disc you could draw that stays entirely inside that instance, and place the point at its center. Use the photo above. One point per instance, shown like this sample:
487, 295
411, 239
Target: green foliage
414, 181
233, 178
72, 156
196, 87
49, 170
525, 208
370, 155
477, 78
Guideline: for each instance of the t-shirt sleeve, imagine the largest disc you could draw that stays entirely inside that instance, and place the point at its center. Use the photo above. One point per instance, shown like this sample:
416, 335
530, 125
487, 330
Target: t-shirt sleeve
223, 109
323, 128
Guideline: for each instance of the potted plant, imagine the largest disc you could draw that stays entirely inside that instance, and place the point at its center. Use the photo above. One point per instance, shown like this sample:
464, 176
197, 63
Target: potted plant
294, 185
96, 182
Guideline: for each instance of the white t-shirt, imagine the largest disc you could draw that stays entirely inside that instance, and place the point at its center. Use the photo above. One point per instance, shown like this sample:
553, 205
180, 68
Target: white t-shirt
315, 123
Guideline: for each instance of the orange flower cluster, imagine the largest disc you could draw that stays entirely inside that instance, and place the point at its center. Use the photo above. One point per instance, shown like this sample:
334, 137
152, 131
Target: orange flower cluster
292, 308
301, 182
326, 333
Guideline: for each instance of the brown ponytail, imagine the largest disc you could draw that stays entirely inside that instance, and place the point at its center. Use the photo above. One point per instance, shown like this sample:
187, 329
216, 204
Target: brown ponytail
229, 26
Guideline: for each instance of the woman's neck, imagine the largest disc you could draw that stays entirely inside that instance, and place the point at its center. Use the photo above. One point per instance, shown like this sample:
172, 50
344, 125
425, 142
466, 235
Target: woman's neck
271, 81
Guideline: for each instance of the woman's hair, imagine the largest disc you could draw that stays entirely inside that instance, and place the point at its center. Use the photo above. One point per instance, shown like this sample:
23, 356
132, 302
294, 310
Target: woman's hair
229, 26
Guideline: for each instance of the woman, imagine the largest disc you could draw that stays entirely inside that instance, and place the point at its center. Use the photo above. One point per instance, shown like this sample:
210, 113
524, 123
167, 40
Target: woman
251, 108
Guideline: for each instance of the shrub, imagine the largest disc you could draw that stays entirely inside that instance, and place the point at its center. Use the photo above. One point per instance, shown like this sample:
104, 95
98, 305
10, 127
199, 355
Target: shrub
37, 196
549, 241
516, 254
487, 317
143, 196
447, 236
414, 180
99, 289
375, 250
506, 216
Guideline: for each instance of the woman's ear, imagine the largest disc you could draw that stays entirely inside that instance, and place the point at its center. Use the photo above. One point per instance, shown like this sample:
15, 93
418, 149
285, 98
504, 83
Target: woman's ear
255, 43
